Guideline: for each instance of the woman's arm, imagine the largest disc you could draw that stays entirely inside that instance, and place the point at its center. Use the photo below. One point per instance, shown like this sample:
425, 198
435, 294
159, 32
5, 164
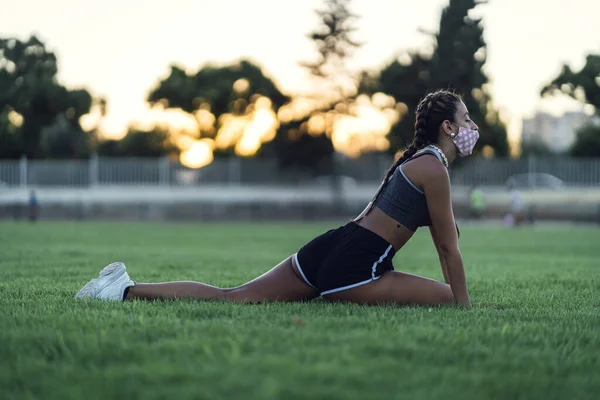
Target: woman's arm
439, 203
443, 263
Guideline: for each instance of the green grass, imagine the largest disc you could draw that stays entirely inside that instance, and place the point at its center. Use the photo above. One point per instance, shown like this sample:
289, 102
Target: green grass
533, 331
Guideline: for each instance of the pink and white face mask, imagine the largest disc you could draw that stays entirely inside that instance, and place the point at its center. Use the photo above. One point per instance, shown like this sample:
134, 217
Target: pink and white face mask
465, 141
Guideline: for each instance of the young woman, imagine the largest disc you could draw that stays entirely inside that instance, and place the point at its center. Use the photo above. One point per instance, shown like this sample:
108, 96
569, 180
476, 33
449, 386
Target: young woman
354, 262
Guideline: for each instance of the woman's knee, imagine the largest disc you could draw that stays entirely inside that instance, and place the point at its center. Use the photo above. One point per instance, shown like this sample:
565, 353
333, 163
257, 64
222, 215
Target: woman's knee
240, 295
445, 294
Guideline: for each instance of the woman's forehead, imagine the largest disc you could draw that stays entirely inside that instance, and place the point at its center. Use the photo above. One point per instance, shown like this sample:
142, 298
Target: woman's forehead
461, 109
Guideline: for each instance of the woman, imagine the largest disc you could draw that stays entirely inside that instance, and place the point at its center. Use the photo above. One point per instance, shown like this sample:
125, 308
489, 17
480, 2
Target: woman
354, 262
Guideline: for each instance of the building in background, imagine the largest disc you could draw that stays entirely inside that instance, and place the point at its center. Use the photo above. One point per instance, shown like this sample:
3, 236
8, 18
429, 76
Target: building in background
556, 133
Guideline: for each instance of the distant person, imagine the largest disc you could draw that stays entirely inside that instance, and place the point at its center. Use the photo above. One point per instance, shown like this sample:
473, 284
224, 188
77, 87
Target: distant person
477, 205
515, 216
33, 206
353, 263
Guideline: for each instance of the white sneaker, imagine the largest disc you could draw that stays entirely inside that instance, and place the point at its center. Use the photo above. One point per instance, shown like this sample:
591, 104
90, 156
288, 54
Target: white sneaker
110, 285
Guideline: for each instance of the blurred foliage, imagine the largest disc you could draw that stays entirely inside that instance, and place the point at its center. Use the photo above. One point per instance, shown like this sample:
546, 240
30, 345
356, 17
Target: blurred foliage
213, 87
29, 88
40, 118
334, 45
535, 147
456, 63
407, 82
139, 143
583, 85
10, 138
295, 148
332, 39
587, 142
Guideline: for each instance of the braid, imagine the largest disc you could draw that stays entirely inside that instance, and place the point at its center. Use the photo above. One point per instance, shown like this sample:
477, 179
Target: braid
431, 111
419, 141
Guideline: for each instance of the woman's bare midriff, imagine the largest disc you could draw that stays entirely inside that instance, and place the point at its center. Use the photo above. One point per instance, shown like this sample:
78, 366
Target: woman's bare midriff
388, 228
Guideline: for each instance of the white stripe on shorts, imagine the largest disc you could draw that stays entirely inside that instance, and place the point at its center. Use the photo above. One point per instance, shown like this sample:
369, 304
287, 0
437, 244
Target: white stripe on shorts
301, 272
347, 287
376, 263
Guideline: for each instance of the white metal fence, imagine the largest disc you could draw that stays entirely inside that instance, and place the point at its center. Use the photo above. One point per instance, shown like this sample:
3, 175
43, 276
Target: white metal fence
235, 171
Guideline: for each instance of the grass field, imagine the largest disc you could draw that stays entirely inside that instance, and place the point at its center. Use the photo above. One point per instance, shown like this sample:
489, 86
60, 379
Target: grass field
533, 331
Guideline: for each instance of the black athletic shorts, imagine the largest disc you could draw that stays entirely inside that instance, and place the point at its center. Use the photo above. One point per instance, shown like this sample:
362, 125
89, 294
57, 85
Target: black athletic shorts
344, 258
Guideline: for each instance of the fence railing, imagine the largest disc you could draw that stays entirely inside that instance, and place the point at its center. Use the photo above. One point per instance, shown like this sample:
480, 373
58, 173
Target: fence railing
236, 171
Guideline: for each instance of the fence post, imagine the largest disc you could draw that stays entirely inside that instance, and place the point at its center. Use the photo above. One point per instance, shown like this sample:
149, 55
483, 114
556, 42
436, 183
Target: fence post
93, 170
23, 171
164, 172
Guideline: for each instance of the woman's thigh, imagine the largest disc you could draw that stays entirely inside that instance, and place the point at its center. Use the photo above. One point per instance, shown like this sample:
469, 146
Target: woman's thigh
399, 288
282, 283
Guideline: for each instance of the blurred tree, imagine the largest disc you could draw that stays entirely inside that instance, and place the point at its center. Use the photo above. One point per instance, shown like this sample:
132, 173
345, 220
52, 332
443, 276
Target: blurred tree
108, 148
217, 87
28, 87
139, 143
535, 147
10, 140
583, 85
368, 83
456, 63
334, 46
99, 105
226, 89
587, 142
63, 139
407, 82
294, 146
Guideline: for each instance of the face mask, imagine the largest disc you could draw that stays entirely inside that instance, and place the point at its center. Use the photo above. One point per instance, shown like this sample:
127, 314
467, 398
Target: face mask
465, 141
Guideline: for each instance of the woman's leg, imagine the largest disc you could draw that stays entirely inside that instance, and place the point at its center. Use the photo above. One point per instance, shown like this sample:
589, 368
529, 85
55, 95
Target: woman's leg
175, 290
399, 288
282, 283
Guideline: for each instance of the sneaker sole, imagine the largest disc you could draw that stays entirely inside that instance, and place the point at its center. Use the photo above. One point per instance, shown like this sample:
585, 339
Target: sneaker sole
114, 268
87, 290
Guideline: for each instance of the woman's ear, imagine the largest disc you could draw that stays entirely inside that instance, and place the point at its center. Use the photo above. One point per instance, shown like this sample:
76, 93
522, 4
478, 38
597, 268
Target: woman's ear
447, 127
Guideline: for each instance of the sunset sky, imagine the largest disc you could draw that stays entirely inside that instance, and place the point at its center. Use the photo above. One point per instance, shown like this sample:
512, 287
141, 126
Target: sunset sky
119, 49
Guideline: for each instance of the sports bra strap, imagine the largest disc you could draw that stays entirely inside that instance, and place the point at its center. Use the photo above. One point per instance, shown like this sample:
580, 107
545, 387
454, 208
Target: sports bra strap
422, 152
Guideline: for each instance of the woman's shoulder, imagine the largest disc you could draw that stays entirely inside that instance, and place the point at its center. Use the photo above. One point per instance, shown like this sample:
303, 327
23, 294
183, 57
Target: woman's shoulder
426, 160
426, 170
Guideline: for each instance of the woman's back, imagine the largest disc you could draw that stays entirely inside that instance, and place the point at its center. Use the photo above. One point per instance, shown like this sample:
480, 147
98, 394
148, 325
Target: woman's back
402, 206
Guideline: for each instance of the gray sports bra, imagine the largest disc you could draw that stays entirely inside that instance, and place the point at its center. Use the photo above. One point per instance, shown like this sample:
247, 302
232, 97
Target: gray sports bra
402, 200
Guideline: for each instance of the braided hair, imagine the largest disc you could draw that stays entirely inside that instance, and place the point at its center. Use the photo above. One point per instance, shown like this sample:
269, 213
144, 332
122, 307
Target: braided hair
434, 109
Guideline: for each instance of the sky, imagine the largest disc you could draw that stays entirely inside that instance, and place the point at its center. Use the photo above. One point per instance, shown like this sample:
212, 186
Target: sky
120, 49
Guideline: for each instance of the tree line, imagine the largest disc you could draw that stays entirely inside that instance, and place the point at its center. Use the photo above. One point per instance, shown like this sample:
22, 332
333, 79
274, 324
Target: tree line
40, 117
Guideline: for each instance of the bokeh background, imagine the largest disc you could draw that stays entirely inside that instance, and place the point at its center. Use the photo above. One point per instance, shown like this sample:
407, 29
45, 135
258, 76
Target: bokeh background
290, 110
